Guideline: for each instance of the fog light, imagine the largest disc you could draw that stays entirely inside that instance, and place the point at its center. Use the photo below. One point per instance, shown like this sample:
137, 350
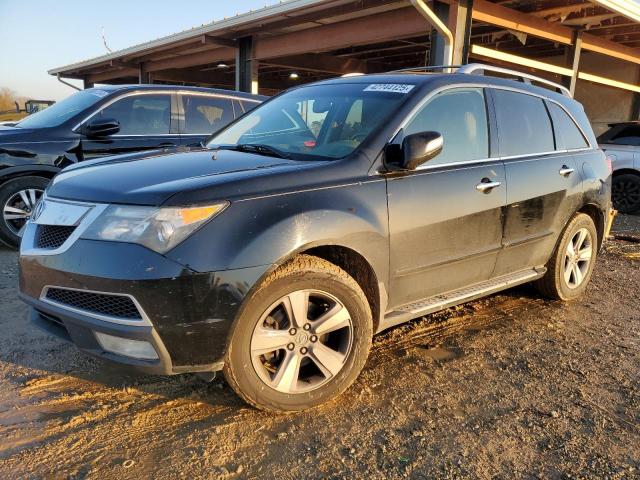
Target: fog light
129, 348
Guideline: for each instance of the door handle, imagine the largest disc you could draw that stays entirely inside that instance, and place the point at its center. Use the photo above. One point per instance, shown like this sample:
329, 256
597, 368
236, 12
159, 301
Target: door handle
486, 185
566, 171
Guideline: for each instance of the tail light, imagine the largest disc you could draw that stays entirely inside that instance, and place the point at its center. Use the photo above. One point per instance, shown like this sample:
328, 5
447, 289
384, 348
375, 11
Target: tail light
609, 160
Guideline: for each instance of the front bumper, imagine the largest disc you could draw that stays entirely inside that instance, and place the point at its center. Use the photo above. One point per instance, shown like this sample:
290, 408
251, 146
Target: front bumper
189, 313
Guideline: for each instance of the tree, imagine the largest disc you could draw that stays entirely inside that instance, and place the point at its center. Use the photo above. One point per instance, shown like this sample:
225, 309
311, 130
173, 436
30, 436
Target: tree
8, 99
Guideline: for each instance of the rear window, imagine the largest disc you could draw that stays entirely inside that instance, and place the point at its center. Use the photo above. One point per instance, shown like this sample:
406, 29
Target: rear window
622, 135
567, 129
524, 126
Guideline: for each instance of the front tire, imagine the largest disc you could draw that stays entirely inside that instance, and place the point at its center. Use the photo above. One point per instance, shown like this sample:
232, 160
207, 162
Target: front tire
18, 197
302, 338
571, 265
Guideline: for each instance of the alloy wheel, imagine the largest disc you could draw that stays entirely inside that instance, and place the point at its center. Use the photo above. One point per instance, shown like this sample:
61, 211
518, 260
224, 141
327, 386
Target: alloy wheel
302, 341
18, 209
577, 258
625, 193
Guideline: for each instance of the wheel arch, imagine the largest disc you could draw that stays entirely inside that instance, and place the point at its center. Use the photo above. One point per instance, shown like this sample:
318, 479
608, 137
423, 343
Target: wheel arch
356, 265
44, 171
624, 171
351, 261
598, 217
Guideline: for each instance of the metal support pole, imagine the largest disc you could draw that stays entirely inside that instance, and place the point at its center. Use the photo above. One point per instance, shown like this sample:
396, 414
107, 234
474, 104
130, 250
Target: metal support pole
635, 103
438, 41
87, 83
143, 74
573, 61
438, 18
462, 33
246, 66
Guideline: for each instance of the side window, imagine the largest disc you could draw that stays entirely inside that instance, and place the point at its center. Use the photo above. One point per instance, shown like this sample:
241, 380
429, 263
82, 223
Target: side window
205, 114
460, 115
524, 126
567, 128
141, 114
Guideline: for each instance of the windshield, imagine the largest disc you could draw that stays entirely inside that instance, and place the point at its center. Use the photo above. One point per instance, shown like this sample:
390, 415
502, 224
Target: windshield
319, 121
63, 110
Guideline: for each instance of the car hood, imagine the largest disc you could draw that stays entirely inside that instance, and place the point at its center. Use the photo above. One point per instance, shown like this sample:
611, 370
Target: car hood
154, 177
16, 135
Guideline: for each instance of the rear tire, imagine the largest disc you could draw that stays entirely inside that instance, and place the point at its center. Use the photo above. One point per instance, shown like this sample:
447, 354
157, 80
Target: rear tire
625, 192
18, 197
571, 265
301, 339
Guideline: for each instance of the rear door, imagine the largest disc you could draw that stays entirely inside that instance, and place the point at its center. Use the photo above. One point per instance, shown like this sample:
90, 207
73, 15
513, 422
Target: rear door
545, 185
146, 123
445, 226
203, 114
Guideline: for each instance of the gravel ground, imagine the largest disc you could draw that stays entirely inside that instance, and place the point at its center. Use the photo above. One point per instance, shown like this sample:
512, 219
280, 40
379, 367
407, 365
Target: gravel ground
513, 386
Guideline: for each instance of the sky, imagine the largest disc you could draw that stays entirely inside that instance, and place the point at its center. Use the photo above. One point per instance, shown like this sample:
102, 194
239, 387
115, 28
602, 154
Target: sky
38, 35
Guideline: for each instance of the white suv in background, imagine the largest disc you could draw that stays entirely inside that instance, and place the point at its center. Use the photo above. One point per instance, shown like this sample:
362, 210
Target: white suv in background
622, 144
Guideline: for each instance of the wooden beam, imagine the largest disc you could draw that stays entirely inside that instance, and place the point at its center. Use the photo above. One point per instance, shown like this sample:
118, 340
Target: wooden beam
548, 67
485, 11
402, 23
201, 58
122, 64
322, 62
191, 76
112, 75
219, 41
161, 53
212, 78
494, 14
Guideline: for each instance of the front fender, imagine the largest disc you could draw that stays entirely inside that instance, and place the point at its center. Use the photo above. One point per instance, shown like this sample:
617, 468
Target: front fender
269, 230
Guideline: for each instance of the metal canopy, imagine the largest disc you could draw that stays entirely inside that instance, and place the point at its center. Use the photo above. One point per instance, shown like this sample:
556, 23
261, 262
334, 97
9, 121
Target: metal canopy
321, 38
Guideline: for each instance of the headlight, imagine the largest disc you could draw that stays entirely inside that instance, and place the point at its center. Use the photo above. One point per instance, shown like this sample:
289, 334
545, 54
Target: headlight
158, 228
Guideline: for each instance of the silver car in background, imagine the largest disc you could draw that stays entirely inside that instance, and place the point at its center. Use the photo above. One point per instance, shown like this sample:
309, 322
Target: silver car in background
621, 143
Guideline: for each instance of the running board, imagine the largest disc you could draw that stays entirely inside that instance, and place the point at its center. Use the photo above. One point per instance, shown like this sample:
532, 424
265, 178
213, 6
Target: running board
440, 302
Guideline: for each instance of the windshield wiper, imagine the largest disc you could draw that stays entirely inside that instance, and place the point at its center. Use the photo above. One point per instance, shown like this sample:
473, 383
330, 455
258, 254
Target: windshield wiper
258, 148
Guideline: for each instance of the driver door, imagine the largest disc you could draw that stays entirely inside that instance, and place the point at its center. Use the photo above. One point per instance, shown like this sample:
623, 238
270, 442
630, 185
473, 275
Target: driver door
445, 227
145, 124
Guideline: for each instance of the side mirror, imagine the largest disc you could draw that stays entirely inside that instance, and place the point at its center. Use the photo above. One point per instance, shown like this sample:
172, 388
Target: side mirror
101, 128
420, 148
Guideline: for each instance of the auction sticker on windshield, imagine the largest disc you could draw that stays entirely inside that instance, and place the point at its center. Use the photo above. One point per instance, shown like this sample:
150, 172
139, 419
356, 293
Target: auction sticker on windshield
389, 87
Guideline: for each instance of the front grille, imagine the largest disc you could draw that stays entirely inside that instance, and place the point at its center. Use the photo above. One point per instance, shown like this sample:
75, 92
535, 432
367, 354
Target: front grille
52, 236
117, 306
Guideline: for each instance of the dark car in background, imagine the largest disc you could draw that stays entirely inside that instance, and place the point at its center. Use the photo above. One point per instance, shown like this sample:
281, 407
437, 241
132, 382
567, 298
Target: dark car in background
103, 121
621, 143
331, 212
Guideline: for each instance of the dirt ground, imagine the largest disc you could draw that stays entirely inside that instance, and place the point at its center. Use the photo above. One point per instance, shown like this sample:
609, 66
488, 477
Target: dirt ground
513, 386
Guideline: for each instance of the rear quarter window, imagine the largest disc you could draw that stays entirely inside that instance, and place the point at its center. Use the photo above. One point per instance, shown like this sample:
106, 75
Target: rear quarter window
566, 129
524, 126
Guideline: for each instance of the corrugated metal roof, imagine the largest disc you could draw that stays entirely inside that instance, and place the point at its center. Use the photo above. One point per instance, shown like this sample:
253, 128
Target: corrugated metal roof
242, 19
628, 8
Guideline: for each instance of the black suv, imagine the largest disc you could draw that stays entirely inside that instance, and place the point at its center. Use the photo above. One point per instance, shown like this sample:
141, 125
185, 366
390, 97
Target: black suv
103, 121
327, 214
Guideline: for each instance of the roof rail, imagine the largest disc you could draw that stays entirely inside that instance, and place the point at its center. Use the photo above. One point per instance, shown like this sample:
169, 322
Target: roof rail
480, 68
424, 69
523, 77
